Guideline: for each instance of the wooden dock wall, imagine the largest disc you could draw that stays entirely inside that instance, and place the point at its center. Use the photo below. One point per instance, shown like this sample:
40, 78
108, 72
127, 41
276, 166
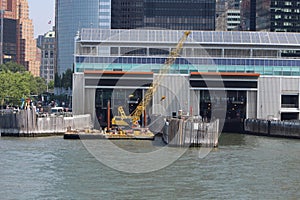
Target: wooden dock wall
276, 128
180, 132
25, 123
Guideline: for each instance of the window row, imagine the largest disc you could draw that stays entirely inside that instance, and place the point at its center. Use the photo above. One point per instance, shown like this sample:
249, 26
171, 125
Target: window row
196, 61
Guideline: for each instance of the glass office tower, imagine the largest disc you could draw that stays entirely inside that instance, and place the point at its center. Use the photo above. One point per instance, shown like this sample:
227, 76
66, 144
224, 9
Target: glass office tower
277, 15
71, 16
167, 14
127, 14
180, 14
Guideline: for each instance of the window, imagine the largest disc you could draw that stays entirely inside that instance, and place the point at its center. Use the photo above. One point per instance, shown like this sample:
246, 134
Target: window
290, 101
277, 16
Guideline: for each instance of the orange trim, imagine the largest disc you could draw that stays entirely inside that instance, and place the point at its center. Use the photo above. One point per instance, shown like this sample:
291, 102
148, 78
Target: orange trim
113, 72
225, 74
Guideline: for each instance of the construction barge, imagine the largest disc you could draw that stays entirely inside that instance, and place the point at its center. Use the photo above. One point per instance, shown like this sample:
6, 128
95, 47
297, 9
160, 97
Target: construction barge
100, 134
192, 132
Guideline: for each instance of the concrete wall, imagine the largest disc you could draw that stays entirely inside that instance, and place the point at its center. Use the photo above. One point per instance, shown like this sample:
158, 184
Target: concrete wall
251, 104
177, 92
78, 100
270, 89
25, 123
89, 107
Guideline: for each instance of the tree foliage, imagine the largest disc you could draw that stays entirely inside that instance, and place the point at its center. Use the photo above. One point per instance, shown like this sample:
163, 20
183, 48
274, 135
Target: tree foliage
16, 83
65, 80
13, 67
57, 82
51, 85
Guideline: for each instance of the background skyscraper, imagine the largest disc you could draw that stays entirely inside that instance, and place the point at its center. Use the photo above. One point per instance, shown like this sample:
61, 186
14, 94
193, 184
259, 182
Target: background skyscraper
275, 15
71, 16
178, 15
19, 44
48, 55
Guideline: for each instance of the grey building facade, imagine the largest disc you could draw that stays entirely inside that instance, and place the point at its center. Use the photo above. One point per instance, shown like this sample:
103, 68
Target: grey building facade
48, 54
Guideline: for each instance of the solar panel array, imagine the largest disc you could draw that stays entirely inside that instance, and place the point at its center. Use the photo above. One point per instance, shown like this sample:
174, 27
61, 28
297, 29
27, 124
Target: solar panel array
209, 37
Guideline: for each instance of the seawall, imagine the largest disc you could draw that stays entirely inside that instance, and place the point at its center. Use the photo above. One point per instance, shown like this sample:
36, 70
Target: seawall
25, 123
274, 128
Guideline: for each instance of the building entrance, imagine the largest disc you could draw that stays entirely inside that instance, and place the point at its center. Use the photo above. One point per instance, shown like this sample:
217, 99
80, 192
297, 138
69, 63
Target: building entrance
211, 104
128, 99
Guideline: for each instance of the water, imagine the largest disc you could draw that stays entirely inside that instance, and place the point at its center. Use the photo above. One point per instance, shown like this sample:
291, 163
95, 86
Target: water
243, 167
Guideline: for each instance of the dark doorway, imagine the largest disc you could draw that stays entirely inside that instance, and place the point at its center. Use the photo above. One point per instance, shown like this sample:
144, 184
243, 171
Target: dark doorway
236, 108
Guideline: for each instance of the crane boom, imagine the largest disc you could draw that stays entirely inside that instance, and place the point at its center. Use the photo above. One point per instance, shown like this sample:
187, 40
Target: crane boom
136, 114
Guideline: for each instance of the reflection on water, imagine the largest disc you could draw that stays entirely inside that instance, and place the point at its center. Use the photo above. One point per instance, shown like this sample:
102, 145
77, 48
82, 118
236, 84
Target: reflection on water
242, 167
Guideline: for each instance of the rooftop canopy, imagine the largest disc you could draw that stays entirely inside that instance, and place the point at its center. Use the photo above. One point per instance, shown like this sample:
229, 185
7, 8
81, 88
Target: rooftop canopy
202, 37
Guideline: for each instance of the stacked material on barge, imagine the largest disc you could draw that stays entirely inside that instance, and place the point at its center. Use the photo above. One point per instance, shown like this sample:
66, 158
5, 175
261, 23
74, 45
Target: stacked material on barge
100, 134
191, 132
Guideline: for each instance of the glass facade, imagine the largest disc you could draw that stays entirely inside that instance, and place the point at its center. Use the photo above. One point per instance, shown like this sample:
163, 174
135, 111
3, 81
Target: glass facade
280, 67
167, 14
127, 14
9, 40
105, 14
277, 15
285, 16
71, 16
180, 14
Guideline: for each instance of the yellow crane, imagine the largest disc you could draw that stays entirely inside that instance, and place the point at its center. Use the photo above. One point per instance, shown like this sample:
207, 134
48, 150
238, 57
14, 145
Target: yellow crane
136, 114
122, 119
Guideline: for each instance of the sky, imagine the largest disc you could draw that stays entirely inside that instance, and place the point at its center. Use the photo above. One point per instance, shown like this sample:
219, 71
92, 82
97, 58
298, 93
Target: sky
42, 12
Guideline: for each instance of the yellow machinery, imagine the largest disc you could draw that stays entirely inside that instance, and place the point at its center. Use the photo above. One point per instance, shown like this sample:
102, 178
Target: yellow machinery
122, 119
136, 114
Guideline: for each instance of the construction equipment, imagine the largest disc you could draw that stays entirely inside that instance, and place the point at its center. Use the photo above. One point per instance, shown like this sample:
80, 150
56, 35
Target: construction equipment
136, 114
121, 119
132, 120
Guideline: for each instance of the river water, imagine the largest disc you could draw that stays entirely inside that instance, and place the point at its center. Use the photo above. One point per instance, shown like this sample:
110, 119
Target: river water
242, 167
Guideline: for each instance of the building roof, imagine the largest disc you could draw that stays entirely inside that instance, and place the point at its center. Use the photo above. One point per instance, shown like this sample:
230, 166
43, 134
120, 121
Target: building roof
196, 37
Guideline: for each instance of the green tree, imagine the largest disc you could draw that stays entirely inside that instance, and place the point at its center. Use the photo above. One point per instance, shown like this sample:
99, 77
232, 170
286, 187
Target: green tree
51, 85
67, 79
57, 82
15, 86
13, 67
37, 85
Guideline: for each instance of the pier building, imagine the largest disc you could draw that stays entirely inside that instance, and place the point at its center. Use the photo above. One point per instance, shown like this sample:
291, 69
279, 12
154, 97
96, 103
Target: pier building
258, 73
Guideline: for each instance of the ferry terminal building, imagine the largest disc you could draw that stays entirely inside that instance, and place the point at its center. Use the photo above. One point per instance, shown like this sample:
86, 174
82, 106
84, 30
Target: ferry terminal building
238, 74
